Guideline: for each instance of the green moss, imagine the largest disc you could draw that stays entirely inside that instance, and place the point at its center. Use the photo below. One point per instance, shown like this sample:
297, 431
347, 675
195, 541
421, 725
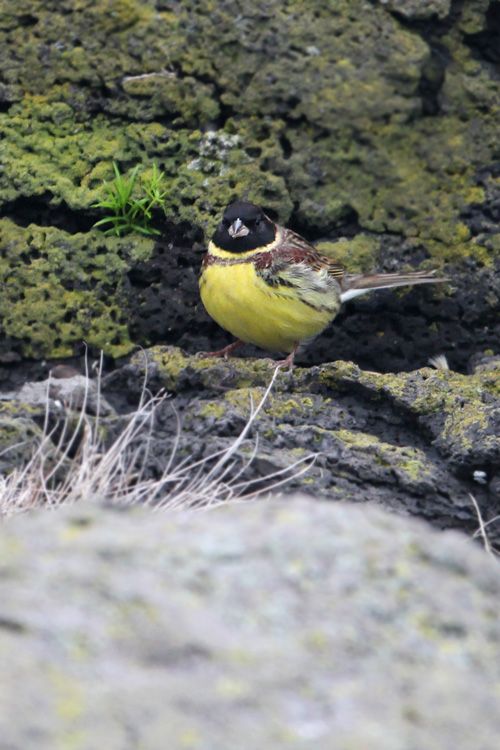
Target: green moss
358, 142
357, 439
82, 43
415, 468
16, 430
59, 290
213, 409
175, 369
269, 434
410, 465
169, 362
277, 406
46, 150
19, 437
187, 101
335, 375
359, 254
423, 171
219, 97
18, 409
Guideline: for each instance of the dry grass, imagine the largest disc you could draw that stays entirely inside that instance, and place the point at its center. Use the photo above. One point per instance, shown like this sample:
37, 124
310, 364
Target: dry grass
482, 530
114, 474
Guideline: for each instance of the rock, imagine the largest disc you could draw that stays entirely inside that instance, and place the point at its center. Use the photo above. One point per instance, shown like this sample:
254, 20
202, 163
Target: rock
278, 624
418, 9
370, 123
412, 442
74, 392
42, 423
21, 430
417, 443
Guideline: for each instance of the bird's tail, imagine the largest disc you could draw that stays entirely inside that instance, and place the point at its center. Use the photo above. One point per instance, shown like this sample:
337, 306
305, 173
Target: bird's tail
354, 284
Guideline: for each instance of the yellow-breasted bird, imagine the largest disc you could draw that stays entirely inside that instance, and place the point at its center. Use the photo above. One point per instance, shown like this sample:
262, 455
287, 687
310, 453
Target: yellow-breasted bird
268, 286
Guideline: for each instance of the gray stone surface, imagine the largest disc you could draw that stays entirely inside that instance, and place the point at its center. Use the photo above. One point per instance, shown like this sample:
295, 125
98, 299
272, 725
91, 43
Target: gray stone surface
418, 9
77, 392
278, 624
410, 442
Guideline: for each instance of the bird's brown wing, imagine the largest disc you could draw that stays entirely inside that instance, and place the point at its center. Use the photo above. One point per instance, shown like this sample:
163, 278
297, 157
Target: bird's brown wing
296, 264
294, 250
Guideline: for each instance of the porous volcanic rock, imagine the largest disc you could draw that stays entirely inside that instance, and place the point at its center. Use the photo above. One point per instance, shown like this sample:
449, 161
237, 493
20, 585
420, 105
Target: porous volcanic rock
371, 127
417, 442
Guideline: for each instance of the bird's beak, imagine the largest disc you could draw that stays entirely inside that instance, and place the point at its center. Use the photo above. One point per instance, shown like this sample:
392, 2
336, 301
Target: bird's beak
238, 229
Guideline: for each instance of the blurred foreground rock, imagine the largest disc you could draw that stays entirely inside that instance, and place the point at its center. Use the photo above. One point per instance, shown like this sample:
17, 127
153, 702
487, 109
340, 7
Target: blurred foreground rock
278, 624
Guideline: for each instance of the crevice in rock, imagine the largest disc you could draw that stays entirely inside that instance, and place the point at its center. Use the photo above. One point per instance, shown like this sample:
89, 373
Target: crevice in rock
26, 19
431, 30
486, 43
38, 210
432, 80
346, 227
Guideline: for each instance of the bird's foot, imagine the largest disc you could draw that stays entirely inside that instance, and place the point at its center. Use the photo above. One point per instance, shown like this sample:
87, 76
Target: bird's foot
288, 362
226, 352
283, 363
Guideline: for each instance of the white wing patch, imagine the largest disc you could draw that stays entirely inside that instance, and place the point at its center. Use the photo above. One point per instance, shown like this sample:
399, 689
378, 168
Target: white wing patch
351, 293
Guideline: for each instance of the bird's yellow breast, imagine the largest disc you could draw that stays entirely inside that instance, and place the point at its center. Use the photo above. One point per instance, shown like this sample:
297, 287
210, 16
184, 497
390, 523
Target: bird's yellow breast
273, 318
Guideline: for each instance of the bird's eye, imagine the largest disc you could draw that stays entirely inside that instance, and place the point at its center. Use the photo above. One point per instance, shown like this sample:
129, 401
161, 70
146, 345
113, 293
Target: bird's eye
258, 221
225, 222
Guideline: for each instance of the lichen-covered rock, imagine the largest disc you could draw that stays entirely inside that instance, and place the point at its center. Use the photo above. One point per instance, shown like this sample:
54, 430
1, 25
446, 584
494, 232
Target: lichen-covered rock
42, 426
21, 432
181, 64
61, 291
277, 624
341, 118
460, 413
418, 9
55, 154
415, 442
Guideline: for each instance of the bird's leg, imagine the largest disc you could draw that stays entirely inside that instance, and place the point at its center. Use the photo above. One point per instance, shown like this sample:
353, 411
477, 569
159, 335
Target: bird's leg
288, 362
226, 352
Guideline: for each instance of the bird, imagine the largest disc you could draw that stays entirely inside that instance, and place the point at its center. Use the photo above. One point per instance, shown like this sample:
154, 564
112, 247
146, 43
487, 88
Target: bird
270, 287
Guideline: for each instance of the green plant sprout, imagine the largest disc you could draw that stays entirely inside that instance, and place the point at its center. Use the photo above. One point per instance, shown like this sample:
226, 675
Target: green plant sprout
130, 214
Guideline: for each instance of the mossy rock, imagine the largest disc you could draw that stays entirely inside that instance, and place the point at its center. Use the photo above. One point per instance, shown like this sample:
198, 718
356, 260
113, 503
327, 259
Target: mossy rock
352, 114
51, 153
61, 291
20, 436
413, 442
460, 412
341, 118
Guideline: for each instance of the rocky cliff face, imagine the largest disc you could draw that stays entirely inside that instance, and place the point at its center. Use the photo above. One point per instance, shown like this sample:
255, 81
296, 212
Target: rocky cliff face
370, 123
423, 443
372, 129
369, 127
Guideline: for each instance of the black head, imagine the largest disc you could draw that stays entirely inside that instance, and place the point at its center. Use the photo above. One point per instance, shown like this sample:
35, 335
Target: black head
244, 227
